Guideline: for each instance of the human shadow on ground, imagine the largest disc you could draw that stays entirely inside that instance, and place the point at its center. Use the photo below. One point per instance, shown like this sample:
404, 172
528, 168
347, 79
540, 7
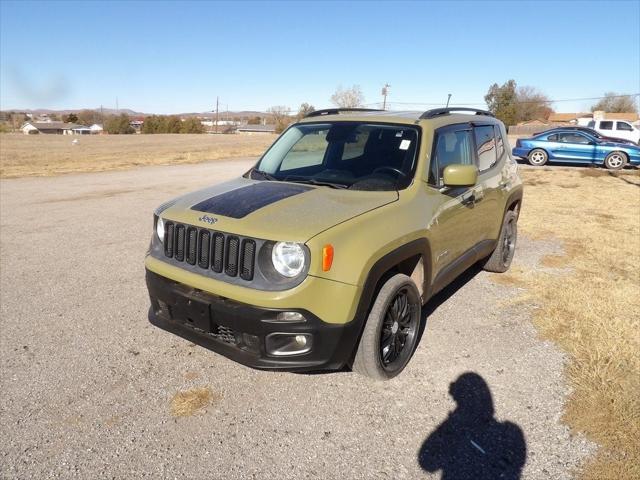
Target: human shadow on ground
471, 444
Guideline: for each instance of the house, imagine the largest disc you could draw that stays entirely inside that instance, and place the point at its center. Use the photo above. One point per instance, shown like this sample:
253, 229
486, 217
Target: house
252, 129
571, 118
627, 116
538, 122
96, 128
59, 128
136, 123
81, 130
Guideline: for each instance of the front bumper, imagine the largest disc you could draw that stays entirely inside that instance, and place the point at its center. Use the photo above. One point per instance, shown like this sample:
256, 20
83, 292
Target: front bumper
238, 330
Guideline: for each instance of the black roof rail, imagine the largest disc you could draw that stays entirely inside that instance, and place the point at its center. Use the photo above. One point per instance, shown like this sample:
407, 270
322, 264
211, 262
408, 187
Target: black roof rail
446, 111
334, 111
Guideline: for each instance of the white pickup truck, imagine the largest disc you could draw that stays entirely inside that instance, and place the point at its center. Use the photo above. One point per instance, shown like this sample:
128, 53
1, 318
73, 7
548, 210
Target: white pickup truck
617, 129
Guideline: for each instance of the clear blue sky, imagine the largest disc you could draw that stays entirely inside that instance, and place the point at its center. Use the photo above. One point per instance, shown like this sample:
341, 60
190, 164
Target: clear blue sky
176, 57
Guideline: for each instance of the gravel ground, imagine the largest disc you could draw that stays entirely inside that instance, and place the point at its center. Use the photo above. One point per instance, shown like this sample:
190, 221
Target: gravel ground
87, 381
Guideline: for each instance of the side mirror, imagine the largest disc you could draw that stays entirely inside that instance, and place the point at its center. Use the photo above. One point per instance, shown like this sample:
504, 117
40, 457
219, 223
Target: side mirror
459, 175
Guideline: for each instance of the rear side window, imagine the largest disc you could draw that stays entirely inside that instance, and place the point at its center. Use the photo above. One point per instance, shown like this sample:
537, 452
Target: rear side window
452, 147
486, 147
606, 125
624, 126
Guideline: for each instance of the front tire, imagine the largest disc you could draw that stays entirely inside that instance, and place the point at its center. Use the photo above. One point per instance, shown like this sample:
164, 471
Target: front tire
537, 157
390, 335
615, 161
500, 260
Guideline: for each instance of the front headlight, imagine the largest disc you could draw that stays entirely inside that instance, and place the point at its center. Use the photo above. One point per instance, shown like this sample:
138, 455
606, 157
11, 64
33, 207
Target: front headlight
160, 229
288, 258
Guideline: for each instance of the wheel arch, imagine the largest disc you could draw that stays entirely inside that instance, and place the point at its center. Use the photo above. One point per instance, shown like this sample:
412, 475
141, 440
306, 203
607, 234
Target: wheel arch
514, 202
621, 152
405, 259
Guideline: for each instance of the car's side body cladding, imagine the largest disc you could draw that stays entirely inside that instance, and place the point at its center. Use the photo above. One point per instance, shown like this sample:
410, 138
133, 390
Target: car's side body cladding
395, 261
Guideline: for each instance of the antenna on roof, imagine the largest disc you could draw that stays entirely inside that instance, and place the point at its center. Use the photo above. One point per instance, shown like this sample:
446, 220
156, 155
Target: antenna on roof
448, 98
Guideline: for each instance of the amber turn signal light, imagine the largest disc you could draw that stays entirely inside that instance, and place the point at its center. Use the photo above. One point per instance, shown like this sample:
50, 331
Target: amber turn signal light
327, 257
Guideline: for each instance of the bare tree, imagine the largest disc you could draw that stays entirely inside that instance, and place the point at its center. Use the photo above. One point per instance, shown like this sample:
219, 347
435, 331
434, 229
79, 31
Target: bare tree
89, 117
17, 119
614, 103
280, 115
348, 98
532, 104
305, 109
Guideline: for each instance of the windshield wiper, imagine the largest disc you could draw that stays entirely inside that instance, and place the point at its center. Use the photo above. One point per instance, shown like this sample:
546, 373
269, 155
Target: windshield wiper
264, 175
313, 181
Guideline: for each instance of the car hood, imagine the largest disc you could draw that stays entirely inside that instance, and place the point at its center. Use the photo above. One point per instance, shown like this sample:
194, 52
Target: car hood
272, 210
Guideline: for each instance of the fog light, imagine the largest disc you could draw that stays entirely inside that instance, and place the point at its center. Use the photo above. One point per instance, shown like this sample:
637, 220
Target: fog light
280, 344
290, 317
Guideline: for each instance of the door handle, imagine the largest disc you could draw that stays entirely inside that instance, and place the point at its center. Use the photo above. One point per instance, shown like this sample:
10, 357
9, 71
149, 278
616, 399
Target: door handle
469, 199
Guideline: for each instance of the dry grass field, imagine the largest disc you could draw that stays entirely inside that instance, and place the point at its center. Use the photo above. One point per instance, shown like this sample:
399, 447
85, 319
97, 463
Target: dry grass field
44, 155
589, 305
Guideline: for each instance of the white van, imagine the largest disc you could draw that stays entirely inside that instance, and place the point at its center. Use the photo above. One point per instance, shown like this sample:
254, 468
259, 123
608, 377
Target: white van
617, 129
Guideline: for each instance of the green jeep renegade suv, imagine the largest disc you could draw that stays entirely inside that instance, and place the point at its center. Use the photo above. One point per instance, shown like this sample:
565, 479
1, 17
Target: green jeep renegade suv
324, 253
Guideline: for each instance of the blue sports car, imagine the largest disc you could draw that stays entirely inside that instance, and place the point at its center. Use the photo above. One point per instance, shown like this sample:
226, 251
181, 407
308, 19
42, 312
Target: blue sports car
574, 146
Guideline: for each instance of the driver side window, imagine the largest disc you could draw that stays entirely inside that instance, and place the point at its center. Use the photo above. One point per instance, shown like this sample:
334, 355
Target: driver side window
452, 147
573, 138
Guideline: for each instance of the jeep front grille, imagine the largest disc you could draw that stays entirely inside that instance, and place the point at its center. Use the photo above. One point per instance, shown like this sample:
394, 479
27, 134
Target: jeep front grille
233, 255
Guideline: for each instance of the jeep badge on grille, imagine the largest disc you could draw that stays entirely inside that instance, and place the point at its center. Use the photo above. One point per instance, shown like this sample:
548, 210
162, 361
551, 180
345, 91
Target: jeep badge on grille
208, 219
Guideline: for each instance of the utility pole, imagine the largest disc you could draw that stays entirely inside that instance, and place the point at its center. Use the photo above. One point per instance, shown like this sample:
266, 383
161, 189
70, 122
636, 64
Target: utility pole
217, 101
117, 107
448, 98
385, 92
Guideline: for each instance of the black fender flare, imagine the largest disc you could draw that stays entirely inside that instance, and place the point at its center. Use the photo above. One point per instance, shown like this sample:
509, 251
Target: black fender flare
414, 248
515, 196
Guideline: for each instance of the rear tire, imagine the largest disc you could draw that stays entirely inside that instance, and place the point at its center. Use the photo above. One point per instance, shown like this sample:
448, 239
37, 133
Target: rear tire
537, 157
500, 260
615, 161
390, 335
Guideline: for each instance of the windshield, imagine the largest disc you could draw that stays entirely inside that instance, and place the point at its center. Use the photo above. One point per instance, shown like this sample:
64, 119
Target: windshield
355, 155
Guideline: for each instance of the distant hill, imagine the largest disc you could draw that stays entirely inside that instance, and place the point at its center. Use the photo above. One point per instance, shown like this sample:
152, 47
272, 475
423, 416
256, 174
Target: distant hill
133, 113
107, 111
222, 114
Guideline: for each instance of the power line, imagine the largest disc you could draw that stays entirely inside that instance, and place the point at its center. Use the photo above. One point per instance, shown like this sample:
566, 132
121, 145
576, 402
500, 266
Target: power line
433, 104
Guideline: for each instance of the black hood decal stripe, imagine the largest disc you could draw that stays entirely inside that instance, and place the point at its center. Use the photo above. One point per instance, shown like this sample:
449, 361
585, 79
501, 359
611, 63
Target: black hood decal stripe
242, 201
